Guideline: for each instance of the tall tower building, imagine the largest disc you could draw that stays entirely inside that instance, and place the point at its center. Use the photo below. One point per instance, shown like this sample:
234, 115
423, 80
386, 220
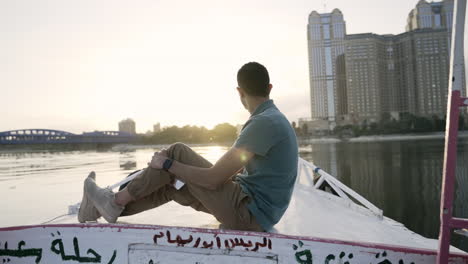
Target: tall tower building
157, 128
127, 126
429, 27
434, 15
326, 44
397, 73
364, 77
430, 73
370, 72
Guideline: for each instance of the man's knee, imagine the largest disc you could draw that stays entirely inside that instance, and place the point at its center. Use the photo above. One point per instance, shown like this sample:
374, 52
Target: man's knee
176, 149
178, 145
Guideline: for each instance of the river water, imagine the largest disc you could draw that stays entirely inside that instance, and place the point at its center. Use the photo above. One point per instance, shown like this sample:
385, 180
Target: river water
401, 177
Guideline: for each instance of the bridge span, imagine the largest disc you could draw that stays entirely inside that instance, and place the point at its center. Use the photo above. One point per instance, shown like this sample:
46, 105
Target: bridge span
49, 136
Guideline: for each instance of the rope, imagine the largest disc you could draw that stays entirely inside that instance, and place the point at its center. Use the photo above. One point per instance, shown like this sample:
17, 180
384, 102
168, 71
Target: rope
72, 210
46, 222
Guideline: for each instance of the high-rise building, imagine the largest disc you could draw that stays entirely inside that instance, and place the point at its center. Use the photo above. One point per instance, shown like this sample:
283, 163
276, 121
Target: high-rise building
127, 126
430, 28
365, 76
326, 41
434, 15
427, 94
156, 128
397, 73
370, 69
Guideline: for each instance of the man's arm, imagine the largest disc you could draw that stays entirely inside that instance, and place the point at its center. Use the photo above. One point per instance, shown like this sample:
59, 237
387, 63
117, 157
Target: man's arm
227, 166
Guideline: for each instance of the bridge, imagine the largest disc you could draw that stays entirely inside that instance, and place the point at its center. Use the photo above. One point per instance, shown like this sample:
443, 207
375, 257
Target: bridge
48, 136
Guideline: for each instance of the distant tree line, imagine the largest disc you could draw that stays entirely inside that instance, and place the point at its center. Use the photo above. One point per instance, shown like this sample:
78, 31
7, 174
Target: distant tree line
222, 133
408, 123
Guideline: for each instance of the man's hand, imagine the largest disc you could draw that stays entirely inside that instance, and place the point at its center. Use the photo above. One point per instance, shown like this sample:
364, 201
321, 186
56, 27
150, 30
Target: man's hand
158, 159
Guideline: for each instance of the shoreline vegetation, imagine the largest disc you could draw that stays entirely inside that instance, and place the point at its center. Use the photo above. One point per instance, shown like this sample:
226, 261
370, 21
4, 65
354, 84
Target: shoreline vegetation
220, 134
406, 127
225, 134
302, 140
378, 138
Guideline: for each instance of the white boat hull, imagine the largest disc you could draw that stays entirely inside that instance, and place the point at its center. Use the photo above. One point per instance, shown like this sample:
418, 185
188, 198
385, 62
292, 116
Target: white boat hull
122, 243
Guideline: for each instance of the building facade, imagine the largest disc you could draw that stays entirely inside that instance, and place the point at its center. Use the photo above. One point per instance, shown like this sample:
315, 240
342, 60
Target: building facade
326, 43
371, 76
405, 73
127, 126
430, 59
434, 15
156, 128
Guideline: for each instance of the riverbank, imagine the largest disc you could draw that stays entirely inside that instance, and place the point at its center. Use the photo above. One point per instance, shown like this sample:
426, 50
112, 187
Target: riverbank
25, 148
380, 138
301, 141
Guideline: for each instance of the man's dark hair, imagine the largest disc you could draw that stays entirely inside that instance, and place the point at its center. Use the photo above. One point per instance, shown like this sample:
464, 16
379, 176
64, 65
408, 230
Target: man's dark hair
253, 78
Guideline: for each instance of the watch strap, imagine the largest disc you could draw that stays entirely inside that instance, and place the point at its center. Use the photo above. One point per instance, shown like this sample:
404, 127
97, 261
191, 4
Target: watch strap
167, 164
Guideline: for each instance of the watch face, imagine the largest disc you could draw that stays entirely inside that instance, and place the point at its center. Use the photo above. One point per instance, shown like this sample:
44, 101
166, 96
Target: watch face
167, 164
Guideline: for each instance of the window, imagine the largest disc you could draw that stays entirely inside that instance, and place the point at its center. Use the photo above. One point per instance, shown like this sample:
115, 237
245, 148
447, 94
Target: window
326, 31
325, 20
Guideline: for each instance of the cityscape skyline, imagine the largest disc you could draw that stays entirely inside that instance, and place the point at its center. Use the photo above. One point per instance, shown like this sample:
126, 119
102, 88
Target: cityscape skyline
85, 66
361, 78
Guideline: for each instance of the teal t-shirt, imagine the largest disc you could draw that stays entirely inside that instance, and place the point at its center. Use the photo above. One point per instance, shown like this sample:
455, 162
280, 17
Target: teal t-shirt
270, 174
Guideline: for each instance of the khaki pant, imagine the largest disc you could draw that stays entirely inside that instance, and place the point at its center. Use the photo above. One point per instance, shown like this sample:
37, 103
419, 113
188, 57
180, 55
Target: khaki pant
228, 203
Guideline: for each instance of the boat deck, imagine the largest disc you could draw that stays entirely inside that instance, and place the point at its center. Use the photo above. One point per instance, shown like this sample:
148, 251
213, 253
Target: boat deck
312, 213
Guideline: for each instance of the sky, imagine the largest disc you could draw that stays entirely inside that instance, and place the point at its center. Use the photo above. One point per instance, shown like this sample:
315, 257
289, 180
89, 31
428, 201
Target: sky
85, 65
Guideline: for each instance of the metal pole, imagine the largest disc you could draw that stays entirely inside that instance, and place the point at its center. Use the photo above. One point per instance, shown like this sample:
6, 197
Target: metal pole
451, 130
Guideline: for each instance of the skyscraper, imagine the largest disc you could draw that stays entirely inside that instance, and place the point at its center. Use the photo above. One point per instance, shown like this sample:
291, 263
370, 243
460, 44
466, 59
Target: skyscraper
431, 25
397, 73
127, 126
326, 42
431, 15
370, 72
428, 91
364, 77
157, 128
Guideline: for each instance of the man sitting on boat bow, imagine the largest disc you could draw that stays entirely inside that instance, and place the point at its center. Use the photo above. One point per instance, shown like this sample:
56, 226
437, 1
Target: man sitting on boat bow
254, 200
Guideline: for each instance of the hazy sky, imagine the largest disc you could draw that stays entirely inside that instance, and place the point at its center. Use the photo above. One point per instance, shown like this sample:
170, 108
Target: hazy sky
85, 65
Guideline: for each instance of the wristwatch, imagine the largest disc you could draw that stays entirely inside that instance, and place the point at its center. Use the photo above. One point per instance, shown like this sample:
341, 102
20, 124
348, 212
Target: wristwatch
167, 164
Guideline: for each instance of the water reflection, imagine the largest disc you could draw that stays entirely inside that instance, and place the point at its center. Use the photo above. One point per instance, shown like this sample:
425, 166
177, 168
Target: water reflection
402, 177
127, 160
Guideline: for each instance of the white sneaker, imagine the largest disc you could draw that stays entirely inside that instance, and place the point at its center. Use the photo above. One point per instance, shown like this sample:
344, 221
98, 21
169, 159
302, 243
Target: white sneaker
87, 211
104, 200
